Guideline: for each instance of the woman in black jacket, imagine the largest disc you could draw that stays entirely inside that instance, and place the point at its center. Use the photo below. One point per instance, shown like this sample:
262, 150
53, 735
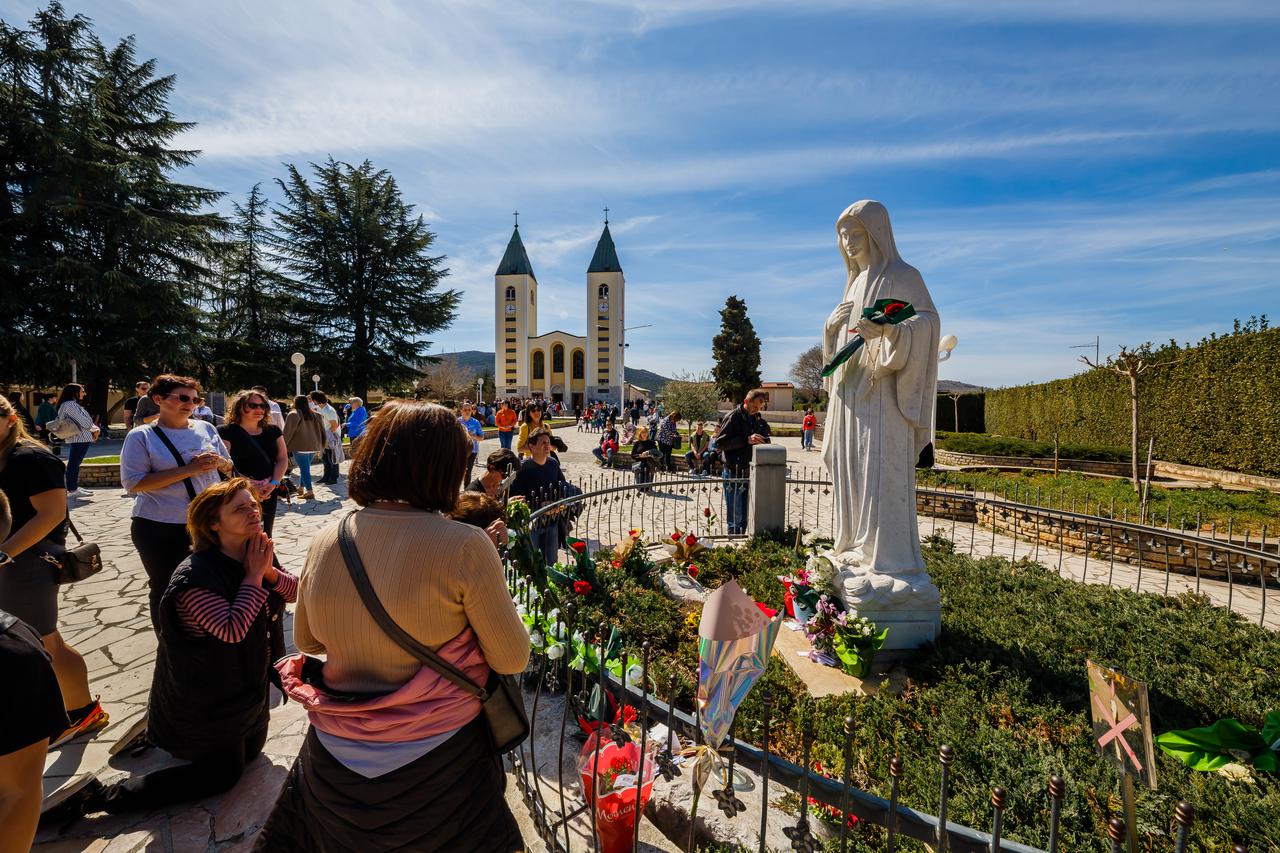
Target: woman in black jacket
644, 453
208, 702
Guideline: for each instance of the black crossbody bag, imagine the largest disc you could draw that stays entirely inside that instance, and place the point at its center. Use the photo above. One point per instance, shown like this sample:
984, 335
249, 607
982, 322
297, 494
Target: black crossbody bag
501, 700
177, 457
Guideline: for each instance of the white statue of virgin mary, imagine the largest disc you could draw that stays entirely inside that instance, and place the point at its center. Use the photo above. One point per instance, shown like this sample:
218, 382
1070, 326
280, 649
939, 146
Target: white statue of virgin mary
879, 418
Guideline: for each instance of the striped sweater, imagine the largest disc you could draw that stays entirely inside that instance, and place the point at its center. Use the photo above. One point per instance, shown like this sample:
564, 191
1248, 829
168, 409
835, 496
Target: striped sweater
204, 612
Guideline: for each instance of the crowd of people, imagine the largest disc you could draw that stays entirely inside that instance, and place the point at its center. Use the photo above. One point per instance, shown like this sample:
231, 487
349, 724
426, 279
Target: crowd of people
387, 729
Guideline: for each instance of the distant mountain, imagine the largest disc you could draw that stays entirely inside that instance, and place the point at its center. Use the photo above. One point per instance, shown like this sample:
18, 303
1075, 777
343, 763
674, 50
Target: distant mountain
951, 385
477, 362
472, 360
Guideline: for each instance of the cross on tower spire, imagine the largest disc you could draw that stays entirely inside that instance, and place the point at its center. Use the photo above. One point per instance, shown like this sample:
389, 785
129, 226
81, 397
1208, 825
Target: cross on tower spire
516, 214
606, 216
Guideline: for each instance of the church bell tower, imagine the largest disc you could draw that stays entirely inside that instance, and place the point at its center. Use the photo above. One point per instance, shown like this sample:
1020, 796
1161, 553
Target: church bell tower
516, 318
606, 288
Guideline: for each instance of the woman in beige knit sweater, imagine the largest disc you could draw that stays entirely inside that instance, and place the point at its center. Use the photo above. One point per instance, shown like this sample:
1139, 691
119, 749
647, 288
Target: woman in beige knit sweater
432, 787
304, 437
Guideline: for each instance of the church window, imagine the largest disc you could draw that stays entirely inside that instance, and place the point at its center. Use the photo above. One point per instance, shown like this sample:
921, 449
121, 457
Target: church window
603, 291
511, 294
579, 364
539, 365
557, 359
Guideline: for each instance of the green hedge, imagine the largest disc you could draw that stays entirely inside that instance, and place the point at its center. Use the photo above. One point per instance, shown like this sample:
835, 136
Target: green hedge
999, 445
1218, 406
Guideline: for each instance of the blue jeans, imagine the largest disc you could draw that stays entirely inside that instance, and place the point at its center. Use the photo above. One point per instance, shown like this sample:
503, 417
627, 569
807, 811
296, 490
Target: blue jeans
806, 439
504, 438
735, 503
547, 539
304, 468
605, 456
75, 455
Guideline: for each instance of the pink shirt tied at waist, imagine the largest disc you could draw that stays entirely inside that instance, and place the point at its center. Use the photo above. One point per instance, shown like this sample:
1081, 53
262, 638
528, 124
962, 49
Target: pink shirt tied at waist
427, 705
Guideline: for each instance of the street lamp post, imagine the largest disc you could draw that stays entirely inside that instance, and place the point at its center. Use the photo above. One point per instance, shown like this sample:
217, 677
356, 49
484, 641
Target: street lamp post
315, 379
298, 360
622, 369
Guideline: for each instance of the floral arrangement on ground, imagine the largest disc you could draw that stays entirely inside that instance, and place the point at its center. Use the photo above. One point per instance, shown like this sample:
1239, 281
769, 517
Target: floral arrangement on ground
1005, 686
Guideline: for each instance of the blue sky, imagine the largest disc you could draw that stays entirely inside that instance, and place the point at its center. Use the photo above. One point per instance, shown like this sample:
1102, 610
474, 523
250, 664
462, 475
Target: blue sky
1055, 170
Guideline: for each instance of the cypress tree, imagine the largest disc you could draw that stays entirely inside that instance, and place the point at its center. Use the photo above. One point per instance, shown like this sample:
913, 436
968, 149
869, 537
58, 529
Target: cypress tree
365, 282
736, 351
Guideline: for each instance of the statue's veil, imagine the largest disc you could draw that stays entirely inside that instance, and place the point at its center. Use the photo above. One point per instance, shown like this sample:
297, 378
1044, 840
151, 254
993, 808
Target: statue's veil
889, 276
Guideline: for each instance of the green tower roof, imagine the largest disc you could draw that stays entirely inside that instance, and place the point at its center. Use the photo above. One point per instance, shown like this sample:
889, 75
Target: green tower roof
606, 257
515, 261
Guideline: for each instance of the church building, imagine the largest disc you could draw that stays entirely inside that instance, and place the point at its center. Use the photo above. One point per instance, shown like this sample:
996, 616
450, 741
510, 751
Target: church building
556, 365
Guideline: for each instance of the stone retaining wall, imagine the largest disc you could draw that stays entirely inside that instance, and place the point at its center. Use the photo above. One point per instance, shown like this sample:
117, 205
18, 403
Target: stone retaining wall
950, 506
1102, 539
1087, 466
100, 476
1214, 475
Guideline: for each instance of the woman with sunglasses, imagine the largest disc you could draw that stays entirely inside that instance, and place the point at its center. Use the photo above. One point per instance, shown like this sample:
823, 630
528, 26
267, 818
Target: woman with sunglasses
164, 465
257, 449
532, 421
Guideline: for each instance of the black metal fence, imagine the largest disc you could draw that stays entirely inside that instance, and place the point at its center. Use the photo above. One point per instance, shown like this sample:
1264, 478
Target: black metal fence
559, 697
564, 700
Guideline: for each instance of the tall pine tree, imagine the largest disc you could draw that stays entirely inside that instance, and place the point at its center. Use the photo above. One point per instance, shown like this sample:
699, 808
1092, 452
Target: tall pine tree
251, 328
736, 351
43, 76
366, 282
107, 249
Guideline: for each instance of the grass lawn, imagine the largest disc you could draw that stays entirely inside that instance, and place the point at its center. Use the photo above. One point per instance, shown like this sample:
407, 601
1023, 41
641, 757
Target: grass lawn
1250, 510
102, 460
1005, 686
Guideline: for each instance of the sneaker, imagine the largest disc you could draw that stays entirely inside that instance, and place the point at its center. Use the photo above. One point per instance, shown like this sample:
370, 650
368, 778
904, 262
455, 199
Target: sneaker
81, 493
79, 797
308, 495
94, 721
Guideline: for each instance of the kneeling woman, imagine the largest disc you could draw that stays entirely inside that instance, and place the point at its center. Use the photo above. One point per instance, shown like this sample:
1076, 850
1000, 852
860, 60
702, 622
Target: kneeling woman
209, 691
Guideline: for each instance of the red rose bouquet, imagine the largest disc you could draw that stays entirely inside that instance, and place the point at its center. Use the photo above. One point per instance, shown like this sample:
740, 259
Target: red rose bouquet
611, 776
885, 312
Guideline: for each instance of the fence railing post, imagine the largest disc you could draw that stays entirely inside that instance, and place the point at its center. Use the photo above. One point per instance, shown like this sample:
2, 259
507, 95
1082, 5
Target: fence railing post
767, 495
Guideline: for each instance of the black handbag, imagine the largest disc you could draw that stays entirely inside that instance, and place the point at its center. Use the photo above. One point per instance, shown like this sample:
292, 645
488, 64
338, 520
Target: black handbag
74, 564
501, 700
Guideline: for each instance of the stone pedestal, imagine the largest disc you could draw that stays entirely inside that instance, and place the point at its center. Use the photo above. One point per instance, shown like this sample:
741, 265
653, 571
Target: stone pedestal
767, 499
908, 629
908, 604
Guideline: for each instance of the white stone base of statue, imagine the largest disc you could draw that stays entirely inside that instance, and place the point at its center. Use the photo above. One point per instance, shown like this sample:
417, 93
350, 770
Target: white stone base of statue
909, 605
